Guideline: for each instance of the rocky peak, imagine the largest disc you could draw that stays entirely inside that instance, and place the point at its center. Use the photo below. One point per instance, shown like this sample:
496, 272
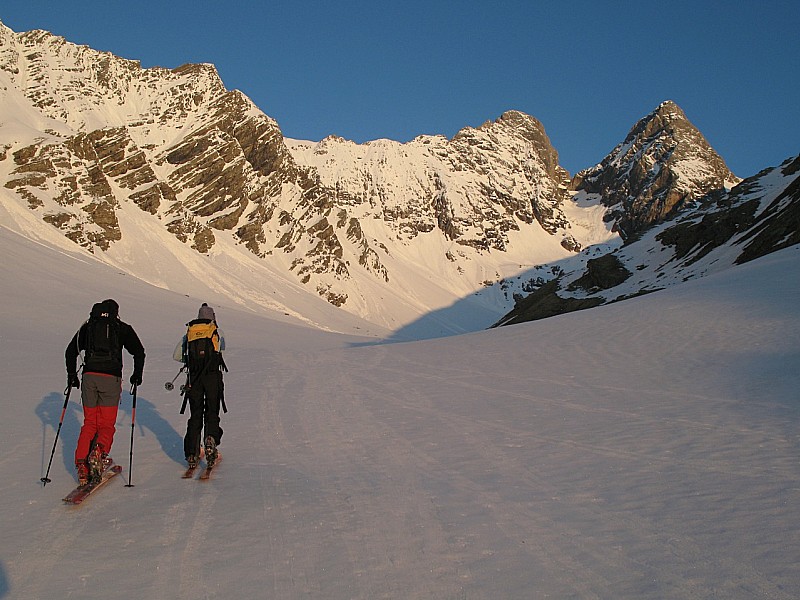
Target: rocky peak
663, 164
531, 129
520, 164
88, 89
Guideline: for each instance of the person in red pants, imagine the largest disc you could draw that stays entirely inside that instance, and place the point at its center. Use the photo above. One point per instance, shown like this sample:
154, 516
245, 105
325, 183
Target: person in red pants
101, 339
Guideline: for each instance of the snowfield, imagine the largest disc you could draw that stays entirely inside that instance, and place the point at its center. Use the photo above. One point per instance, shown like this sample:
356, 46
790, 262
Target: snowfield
645, 449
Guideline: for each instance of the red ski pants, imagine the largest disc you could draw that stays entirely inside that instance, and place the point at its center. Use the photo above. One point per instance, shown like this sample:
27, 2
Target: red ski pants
100, 396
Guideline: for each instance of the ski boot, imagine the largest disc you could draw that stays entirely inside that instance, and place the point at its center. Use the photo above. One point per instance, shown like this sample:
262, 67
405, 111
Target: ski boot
211, 451
193, 460
83, 472
98, 461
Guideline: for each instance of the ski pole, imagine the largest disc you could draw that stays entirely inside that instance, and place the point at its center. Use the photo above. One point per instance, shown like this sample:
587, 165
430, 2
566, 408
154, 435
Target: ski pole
170, 385
45, 480
133, 426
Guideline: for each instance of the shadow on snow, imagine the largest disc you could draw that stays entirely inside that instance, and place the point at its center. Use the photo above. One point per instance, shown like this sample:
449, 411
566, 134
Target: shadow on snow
148, 418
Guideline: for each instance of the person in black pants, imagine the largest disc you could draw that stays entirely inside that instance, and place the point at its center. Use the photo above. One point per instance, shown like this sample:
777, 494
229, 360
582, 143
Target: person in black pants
201, 352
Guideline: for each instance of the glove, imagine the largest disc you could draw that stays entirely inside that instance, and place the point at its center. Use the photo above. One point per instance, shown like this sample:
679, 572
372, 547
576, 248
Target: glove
136, 379
73, 381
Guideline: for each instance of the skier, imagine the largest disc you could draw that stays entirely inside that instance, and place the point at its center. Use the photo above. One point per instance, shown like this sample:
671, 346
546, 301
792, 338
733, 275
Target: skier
101, 339
201, 351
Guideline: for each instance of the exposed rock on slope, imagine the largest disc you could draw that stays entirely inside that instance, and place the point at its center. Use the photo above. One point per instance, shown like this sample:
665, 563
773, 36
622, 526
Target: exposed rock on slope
759, 216
662, 165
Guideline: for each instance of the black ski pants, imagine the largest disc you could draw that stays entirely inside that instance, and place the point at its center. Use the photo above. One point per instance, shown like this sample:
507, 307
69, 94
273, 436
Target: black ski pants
205, 395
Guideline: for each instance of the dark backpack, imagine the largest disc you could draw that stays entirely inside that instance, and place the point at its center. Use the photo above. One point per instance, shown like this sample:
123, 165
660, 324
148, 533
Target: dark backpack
103, 351
202, 346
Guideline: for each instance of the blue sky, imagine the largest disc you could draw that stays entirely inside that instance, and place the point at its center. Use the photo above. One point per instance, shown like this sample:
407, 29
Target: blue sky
373, 69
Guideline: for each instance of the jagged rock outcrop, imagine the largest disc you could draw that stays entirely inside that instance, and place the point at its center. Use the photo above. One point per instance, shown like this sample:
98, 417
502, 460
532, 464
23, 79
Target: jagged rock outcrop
758, 224
662, 165
779, 224
71, 182
546, 302
602, 273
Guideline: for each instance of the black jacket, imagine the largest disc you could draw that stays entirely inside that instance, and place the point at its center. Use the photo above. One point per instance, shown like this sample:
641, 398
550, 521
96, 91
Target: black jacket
127, 339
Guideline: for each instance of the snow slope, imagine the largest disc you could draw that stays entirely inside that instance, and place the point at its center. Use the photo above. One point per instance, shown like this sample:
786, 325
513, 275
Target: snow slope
646, 449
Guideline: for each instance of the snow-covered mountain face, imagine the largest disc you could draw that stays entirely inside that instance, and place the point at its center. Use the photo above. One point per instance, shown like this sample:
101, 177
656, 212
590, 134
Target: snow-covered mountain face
142, 166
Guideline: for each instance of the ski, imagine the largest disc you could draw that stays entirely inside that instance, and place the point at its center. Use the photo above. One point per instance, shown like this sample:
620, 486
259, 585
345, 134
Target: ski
80, 493
206, 472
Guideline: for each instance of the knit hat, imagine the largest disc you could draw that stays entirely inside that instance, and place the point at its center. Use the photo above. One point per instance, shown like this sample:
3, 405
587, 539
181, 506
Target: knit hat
112, 306
206, 312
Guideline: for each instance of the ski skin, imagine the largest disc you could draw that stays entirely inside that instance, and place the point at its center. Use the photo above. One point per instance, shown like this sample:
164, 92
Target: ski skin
80, 493
205, 473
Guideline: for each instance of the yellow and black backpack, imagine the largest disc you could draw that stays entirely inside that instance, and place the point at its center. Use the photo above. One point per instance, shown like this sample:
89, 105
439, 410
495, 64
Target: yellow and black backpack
202, 346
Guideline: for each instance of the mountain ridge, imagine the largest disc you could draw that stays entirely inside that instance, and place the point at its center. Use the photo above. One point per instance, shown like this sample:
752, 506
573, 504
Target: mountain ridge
387, 231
